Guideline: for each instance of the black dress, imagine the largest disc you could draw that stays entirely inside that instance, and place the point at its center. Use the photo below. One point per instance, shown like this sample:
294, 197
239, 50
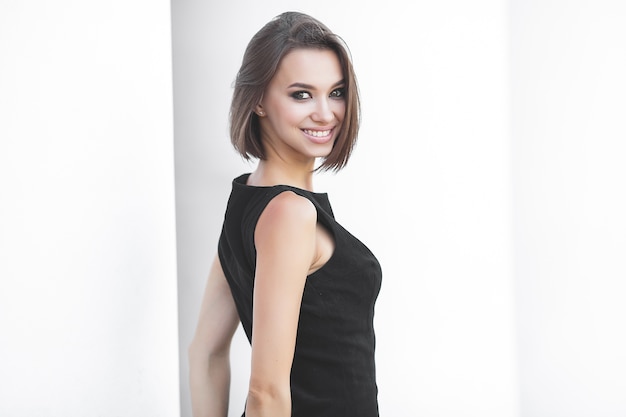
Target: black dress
333, 373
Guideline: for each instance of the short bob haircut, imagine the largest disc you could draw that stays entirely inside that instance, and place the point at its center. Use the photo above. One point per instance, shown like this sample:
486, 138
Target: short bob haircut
283, 34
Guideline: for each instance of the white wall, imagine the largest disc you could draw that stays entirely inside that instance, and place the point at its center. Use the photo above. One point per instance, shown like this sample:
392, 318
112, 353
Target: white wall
428, 188
569, 148
87, 239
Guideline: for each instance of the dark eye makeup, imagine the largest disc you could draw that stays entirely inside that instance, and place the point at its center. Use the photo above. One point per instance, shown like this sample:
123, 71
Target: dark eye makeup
301, 95
337, 93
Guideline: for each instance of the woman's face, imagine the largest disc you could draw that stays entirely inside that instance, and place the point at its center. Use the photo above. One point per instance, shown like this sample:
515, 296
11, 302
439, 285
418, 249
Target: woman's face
303, 107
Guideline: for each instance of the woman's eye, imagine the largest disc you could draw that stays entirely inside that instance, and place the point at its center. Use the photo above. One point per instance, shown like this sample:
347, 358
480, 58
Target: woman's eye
301, 95
338, 93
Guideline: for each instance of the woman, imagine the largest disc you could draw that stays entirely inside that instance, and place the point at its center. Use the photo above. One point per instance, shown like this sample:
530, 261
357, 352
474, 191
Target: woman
302, 286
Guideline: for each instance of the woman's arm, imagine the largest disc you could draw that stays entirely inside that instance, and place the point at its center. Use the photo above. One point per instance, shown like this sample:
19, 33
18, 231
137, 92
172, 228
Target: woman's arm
209, 362
285, 244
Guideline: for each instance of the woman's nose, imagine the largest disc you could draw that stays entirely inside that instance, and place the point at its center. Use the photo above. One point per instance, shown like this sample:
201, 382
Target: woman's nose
323, 112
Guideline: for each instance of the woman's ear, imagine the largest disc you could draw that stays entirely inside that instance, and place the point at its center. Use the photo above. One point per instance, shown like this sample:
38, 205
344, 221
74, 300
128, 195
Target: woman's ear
259, 110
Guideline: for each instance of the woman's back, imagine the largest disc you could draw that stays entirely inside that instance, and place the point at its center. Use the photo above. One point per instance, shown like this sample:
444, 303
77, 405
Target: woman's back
333, 372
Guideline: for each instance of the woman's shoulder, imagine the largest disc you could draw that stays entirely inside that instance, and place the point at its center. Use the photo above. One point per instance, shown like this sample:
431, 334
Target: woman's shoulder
275, 204
288, 209
286, 229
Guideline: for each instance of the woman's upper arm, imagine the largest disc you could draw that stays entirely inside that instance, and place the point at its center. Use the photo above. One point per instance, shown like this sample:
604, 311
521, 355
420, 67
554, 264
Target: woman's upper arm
218, 317
285, 245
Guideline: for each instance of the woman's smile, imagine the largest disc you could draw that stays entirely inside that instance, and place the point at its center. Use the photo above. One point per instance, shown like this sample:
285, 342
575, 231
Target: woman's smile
319, 136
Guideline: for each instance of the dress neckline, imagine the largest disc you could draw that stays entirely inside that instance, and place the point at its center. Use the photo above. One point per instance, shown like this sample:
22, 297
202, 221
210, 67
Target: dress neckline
242, 181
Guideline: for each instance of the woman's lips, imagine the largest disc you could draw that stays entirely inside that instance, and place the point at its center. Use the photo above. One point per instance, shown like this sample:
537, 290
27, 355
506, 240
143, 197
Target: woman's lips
319, 136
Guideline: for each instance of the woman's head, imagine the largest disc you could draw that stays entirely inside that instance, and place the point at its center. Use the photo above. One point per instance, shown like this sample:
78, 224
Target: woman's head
286, 33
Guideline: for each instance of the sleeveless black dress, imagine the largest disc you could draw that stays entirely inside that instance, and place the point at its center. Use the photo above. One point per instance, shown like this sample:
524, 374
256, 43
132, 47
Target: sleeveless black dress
333, 373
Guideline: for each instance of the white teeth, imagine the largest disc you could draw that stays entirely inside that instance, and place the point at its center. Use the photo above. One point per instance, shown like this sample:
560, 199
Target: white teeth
317, 133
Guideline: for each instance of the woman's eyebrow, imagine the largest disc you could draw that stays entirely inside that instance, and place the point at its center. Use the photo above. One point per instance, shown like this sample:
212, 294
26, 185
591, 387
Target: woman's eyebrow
310, 87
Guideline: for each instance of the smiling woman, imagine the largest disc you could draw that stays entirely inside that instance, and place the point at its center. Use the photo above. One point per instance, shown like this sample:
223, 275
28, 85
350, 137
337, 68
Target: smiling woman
284, 54
302, 286
291, 110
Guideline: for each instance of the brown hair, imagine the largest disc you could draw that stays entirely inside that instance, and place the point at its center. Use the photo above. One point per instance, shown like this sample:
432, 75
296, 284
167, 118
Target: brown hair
283, 34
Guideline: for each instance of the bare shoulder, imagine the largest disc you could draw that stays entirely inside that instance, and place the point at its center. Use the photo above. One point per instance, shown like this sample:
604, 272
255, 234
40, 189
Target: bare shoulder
287, 213
288, 209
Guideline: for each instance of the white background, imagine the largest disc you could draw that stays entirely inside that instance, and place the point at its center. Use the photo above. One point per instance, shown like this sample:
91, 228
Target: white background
569, 153
87, 224
489, 180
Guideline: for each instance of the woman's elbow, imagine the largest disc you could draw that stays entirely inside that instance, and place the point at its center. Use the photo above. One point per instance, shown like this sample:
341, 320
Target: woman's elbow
273, 399
200, 351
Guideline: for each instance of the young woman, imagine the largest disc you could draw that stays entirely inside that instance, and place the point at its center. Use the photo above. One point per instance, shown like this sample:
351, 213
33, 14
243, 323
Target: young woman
302, 286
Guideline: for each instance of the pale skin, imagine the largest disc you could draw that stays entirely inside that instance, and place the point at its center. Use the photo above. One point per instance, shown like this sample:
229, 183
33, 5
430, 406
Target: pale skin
301, 113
